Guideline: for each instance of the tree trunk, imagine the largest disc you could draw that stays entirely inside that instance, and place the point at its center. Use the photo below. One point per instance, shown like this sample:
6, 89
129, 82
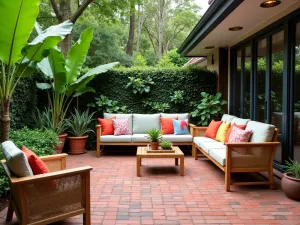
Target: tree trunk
66, 13
5, 120
65, 45
139, 28
129, 48
160, 27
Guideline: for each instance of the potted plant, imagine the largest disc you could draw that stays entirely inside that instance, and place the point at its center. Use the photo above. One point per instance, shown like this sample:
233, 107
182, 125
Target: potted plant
166, 145
290, 182
78, 127
154, 136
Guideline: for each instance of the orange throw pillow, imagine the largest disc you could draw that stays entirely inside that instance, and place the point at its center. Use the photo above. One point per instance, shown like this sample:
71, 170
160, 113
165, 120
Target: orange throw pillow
167, 125
212, 129
242, 127
107, 126
37, 165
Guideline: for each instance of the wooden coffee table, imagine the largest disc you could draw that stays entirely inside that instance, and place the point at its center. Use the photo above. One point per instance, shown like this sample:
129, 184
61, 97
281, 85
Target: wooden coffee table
142, 153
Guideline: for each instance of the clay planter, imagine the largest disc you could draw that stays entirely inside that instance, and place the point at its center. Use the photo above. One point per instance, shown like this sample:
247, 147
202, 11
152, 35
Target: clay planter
154, 145
59, 148
77, 145
291, 186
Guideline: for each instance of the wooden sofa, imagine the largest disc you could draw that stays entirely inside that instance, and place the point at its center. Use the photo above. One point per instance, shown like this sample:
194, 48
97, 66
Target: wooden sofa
257, 156
138, 138
51, 197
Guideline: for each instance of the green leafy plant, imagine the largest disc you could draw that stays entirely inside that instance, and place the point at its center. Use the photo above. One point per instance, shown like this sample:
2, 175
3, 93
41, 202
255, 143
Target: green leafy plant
18, 58
177, 97
210, 107
64, 78
104, 104
4, 186
78, 123
140, 85
166, 144
293, 166
139, 61
154, 135
156, 106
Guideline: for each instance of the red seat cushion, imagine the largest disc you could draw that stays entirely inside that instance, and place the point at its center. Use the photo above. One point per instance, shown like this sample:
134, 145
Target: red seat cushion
107, 126
167, 125
242, 127
212, 129
37, 165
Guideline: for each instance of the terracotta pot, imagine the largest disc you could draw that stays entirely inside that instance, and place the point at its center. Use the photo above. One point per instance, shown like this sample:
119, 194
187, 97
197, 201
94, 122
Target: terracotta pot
59, 148
154, 145
291, 186
77, 145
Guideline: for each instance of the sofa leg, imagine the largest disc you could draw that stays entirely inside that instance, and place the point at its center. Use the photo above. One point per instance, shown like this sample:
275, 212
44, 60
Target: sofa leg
98, 151
271, 179
227, 180
194, 151
10, 211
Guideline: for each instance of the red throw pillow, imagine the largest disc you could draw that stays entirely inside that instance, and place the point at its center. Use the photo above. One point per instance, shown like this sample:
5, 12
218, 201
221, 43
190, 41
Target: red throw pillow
212, 129
37, 165
167, 125
107, 126
242, 127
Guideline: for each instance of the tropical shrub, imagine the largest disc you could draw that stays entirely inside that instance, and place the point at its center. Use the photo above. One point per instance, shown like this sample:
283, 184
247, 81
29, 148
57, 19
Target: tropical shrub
209, 108
177, 97
140, 85
103, 104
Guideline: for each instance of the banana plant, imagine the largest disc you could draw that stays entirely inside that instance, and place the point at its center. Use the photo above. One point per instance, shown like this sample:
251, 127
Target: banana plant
64, 80
18, 58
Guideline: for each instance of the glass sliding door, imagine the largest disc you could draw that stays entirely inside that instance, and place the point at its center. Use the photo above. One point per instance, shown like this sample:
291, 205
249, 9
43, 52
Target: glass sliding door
237, 87
276, 92
247, 81
261, 81
296, 124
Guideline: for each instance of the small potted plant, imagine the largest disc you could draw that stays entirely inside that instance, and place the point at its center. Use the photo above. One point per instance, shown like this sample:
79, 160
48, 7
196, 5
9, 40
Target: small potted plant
290, 182
166, 145
154, 136
78, 127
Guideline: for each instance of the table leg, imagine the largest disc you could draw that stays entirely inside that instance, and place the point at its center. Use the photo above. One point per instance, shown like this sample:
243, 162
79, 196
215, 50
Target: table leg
182, 166
176, 161
138, 166
140, 161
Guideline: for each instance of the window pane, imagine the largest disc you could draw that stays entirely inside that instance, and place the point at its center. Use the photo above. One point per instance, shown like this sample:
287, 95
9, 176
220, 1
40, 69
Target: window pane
261, 79
248, 55
237, 87
297, 97
276, 86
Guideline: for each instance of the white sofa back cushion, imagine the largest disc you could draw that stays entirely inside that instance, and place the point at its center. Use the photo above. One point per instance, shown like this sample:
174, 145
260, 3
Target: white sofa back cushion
262, 132
16, 160
227, 118
181, 116
120, 116
239, 121
145, 122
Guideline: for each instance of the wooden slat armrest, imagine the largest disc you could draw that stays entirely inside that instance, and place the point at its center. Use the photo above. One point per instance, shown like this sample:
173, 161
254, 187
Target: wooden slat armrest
199, 131
98, 126
51, 176
53, 157
200, 128
192, 125
250, 144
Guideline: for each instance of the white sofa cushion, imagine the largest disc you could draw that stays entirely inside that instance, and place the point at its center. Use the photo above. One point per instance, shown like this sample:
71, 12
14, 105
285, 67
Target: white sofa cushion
262, 132
197, 140
227, 118
181, 116
16, 160
206, 146
219, 154
120, 116
112, 138
145, 122
239, 121
178, 138
139, 138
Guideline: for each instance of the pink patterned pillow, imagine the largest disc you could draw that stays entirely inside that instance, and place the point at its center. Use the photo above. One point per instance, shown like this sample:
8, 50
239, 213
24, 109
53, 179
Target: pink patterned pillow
121, 127
238, 135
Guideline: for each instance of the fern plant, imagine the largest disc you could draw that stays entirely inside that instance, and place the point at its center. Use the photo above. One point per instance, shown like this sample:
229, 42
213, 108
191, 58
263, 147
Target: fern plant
154, 135
78, 123
293, 166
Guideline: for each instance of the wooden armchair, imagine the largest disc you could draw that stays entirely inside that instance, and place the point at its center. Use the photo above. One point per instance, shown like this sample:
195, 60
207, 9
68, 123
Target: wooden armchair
47, 198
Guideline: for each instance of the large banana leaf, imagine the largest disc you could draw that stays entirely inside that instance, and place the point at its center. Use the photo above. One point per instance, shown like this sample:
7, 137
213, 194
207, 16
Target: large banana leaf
26, 68
17, 18
77, 55
45, 40
86, 78
54, 68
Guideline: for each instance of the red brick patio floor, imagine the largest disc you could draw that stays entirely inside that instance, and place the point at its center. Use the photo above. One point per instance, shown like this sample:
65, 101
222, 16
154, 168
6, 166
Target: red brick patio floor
161, 196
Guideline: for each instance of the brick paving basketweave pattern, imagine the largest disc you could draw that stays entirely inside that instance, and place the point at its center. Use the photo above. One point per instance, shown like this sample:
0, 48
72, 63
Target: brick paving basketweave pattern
160, 196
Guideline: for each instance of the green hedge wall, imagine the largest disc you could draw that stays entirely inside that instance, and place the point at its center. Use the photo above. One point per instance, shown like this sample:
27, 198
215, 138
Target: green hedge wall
191, 80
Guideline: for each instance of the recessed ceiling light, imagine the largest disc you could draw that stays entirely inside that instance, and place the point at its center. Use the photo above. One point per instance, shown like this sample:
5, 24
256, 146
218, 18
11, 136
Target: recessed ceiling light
235, 28
209, 47
270, 3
